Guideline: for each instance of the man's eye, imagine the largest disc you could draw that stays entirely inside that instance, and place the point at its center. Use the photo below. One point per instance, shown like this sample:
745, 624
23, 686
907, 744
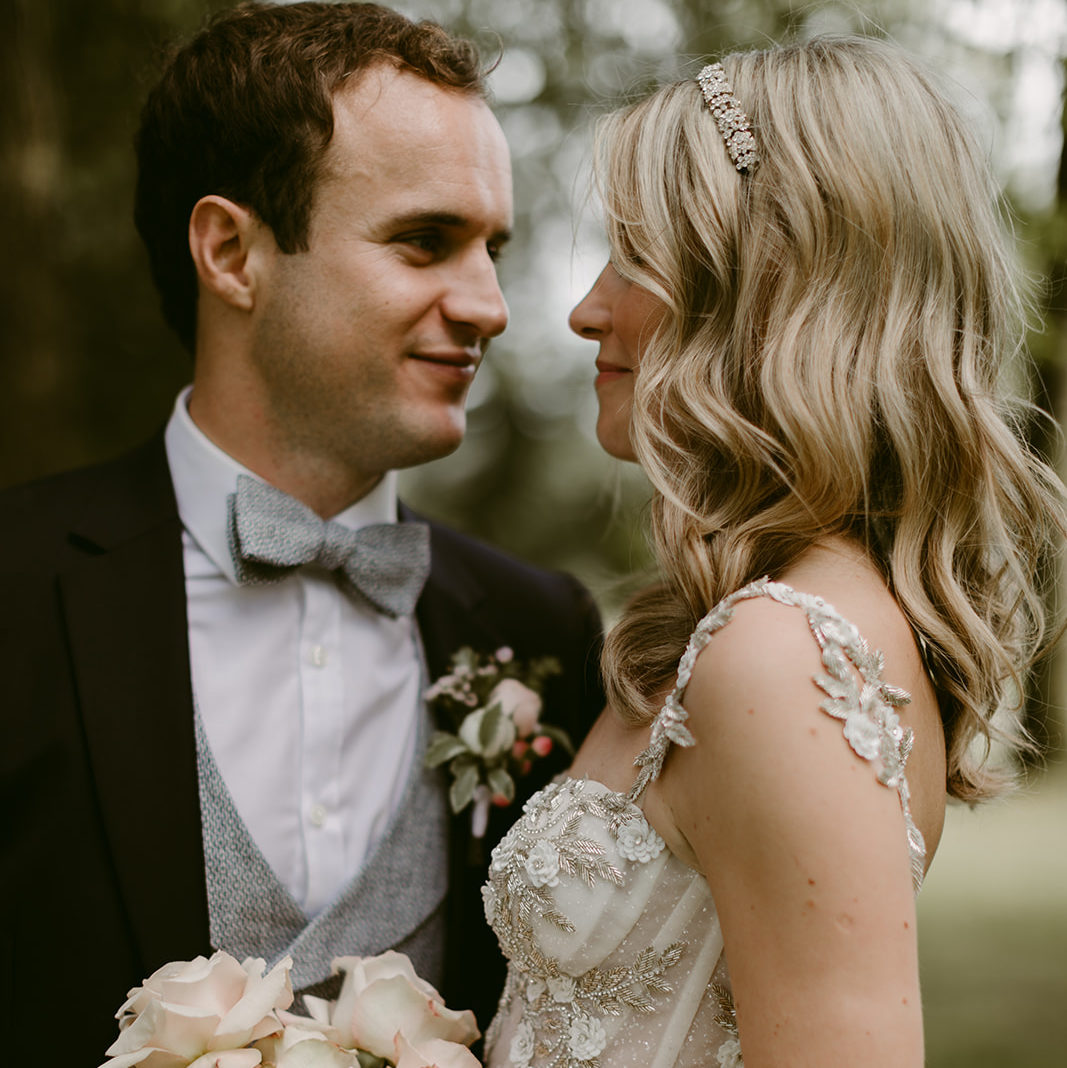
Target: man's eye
427, 242
495, 250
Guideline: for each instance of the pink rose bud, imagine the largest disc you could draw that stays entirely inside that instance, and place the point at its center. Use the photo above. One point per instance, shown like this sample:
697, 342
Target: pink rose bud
518, 750
504, 655
519, 703
542, 745
500, 801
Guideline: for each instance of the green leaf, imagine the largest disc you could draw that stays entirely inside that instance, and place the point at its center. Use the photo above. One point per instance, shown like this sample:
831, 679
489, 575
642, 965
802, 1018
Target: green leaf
368, 1060
465, 658
466, 759
443, 746
487, 729
501, 783
462, 790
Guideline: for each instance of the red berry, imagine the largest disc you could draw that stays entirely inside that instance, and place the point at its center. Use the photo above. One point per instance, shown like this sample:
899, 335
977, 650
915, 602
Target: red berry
542, 745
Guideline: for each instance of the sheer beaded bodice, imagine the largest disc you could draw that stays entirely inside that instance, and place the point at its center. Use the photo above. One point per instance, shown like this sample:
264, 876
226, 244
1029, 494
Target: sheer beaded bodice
614, 948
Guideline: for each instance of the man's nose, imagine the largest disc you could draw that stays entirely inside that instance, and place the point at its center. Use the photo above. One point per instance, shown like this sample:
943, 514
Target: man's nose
474, 298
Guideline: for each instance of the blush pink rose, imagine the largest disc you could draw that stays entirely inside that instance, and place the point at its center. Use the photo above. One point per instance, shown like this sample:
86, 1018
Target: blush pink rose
201, 1014
381, 997
519, 703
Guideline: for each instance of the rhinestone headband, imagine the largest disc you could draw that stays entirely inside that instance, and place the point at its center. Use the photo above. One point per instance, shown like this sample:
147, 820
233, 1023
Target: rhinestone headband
732, 121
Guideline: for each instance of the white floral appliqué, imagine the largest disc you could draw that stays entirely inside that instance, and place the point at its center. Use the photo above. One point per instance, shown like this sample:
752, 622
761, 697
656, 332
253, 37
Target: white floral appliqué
729, 1054
638, 841
586, 1038
564, 1016
489, 903
522, 1046
542, 864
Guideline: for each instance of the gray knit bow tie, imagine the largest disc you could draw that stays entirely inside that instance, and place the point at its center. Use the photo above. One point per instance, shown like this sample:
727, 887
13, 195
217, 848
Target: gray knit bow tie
272, 534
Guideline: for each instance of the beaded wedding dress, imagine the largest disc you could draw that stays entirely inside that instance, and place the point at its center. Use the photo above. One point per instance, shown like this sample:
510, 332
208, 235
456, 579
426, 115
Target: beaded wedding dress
615, 957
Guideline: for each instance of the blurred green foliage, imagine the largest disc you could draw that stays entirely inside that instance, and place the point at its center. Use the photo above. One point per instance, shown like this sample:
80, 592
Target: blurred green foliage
87, 368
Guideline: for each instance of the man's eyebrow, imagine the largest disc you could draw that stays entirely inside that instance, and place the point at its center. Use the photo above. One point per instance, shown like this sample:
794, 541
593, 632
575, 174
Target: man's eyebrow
441, 218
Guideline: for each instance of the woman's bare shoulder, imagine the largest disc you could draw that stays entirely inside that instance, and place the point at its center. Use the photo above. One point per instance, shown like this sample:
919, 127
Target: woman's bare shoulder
757, 691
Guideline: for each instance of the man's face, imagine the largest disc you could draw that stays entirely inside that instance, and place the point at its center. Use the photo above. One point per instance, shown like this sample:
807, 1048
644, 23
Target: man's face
366, 344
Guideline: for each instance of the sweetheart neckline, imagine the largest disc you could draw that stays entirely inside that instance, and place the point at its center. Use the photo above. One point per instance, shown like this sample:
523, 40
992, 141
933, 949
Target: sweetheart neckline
563, 779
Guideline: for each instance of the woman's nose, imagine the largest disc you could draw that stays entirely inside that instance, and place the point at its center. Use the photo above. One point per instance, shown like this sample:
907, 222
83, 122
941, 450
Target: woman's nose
591, 317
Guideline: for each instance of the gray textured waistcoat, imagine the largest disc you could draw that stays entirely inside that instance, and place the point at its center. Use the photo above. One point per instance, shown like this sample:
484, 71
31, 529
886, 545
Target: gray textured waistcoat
396, 901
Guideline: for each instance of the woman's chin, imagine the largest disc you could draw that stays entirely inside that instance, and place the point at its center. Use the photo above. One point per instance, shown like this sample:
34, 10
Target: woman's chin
615, 441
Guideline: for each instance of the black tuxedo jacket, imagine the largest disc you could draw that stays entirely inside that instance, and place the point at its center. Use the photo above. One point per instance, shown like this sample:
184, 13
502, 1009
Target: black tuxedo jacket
102, 877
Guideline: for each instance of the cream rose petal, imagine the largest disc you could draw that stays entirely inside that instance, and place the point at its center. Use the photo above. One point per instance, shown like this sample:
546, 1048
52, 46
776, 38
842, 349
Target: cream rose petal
189, 1010
383, 995
253, 1016
213, 985
391, 1005
360, 972
433, 1053
140, 996
178, 982
297, 1047
128, 1060
319, 1011
227, 1058
180, 1030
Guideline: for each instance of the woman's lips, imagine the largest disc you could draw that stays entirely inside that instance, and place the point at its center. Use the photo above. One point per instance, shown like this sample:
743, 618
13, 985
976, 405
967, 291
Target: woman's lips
610, 372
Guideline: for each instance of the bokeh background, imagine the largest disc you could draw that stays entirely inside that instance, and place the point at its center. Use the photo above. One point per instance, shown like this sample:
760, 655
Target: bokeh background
87, 368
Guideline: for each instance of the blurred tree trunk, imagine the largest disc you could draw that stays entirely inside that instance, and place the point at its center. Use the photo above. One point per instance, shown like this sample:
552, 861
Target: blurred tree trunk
30, 182
1045, 705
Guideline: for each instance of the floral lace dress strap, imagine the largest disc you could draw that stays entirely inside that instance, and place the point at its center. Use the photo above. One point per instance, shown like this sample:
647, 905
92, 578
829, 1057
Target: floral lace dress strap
852, 682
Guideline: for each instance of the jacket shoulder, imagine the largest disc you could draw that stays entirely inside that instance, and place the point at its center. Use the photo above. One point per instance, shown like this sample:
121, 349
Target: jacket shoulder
38, 518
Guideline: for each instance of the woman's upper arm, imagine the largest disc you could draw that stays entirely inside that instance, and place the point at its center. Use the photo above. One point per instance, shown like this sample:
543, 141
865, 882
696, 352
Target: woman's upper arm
805, 852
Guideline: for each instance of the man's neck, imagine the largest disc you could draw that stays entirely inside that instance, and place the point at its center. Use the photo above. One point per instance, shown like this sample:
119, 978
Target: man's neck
326, 487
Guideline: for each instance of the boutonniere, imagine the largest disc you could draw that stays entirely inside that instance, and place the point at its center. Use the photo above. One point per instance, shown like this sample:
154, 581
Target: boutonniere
493, 705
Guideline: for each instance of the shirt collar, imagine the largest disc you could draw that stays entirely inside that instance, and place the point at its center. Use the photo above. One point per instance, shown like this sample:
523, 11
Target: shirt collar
204, 477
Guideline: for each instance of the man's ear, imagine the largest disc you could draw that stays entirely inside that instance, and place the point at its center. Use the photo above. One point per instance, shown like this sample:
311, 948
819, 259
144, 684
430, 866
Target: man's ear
221, 237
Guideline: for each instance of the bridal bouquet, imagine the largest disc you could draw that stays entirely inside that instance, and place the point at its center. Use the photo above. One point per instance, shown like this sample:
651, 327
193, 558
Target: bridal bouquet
220, 1014
493, 705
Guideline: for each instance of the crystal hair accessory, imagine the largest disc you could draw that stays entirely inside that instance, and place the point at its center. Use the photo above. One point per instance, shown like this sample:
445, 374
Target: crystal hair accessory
732, 121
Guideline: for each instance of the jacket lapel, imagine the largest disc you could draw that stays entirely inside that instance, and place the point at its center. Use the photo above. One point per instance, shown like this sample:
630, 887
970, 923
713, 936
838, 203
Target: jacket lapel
447, 612
124, 600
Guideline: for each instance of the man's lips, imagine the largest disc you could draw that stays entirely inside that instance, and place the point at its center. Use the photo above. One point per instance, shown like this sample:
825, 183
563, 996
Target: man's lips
455, 361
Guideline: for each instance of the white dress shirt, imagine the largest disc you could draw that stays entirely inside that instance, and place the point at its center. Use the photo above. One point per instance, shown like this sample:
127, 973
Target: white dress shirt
309, 698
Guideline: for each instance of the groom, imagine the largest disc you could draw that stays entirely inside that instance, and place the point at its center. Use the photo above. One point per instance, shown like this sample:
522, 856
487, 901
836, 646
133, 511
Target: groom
206, 746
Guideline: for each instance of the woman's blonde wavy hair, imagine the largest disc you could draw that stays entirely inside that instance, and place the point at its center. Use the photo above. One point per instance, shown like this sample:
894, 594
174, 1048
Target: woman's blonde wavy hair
832, 364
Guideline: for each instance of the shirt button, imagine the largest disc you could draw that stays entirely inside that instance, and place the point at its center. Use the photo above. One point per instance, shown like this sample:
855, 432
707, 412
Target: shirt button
319, 655
317, 815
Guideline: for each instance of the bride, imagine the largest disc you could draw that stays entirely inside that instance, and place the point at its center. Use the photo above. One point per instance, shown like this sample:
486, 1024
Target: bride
802, 331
